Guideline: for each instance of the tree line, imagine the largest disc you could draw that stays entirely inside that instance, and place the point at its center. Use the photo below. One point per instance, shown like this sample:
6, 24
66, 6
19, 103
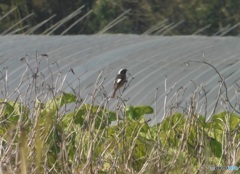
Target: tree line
156, 17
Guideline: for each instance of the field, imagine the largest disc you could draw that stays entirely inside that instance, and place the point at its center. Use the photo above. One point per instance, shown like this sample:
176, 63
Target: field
46, 130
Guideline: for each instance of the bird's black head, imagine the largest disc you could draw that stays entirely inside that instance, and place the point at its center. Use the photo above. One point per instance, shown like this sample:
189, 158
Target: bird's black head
122, 71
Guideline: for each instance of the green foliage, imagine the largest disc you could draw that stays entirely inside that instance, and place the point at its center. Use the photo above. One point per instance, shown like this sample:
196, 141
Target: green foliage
84, 139
10, 113
216, 147
137, 112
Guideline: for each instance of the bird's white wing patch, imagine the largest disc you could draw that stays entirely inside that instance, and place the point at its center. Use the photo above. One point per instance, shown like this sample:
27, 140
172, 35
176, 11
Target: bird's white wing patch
119, 80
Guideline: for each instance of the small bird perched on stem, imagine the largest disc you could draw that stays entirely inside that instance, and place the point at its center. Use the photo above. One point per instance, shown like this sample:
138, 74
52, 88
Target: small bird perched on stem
120, 80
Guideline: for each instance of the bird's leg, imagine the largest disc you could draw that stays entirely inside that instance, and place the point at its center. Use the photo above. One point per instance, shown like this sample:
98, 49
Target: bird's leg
120, 91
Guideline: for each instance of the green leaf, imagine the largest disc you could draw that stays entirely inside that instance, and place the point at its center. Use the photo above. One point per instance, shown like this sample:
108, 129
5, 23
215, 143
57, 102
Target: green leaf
137, 112
177, 120
56, 103
216, 147
234, 121
11, 111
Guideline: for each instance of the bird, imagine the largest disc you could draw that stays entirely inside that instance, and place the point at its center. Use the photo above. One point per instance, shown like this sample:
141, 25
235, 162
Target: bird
120, 80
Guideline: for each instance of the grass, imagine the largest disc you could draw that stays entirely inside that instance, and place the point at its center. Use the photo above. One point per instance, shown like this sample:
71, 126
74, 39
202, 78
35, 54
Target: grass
45, 130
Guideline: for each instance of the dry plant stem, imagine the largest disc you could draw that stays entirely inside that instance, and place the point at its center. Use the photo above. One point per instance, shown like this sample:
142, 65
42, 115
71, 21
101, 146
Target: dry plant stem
216, 103
8, 13
150, 160
206, 101
77, 21
95, 150
6, 83
176, 100
37, 26
114, 22
185, 135
222, 80
135, 134
167, 92
91, 123
155, 102
58, 24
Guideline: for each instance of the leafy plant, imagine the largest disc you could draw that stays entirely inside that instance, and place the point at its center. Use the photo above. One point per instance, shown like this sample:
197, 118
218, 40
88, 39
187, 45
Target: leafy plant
66, 135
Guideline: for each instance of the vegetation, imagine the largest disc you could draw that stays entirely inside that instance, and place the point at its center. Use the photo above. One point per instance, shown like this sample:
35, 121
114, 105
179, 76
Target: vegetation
46, 130
181, 17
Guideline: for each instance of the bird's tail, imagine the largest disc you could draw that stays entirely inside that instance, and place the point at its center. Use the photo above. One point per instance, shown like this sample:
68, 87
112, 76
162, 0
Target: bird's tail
114, 93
